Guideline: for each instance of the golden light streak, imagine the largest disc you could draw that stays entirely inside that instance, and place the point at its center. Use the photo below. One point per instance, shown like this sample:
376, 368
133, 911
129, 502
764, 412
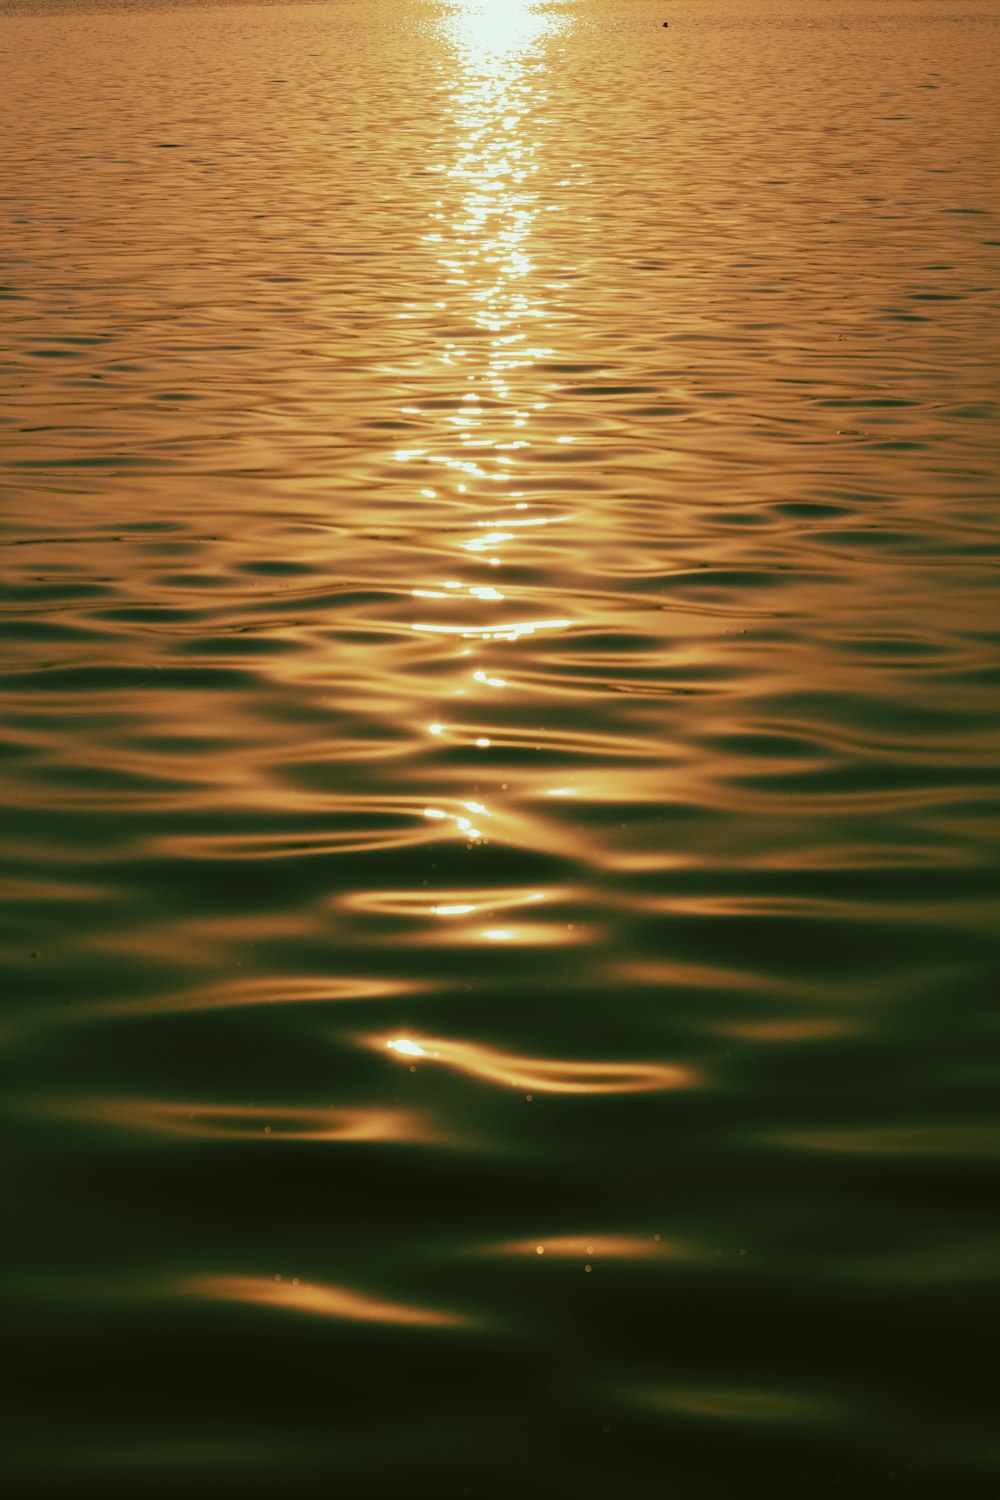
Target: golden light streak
544, 1075
318, 1301
273, 1122
595, 1246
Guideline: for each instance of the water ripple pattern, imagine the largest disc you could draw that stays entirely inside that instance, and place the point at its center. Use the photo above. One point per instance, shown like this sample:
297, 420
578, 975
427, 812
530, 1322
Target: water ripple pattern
500, 747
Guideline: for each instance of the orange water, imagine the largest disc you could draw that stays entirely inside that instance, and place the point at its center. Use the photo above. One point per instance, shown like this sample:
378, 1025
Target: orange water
500, 713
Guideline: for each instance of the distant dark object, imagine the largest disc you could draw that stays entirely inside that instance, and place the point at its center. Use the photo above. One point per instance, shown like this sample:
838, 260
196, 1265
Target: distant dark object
666, 23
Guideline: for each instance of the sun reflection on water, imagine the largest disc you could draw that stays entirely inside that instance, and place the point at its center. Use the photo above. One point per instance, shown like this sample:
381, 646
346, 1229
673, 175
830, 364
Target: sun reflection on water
543, 1075
579, 1247
293, 1295
237, 1122
480, 238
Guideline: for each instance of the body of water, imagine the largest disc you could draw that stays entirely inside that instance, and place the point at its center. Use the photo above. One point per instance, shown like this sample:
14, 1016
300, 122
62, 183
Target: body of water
500, 748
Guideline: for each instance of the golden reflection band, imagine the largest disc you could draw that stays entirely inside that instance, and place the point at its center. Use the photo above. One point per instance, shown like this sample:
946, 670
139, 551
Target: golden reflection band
542, 1075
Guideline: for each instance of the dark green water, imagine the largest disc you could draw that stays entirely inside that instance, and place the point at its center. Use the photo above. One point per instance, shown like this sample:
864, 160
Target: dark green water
499, 749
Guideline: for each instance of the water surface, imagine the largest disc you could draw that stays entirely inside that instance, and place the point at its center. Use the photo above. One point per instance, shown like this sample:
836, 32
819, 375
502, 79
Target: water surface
500, 708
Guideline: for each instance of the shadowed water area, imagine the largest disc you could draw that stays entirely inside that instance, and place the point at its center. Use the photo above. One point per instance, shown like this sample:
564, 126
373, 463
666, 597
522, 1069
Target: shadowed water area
499, 728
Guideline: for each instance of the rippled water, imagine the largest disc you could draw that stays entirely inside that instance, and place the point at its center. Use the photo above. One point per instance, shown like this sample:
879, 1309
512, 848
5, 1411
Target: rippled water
500, 713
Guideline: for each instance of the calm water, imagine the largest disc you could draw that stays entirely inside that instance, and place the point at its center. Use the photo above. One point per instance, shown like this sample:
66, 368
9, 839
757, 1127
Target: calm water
500, 747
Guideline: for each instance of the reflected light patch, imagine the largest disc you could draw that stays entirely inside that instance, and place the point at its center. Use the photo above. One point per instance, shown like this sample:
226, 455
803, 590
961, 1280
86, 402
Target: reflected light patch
546, 1075
406, 1047
421, 903
594, 1246
494, 633
320, 1301
463, 826
484, 543
274, 1122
